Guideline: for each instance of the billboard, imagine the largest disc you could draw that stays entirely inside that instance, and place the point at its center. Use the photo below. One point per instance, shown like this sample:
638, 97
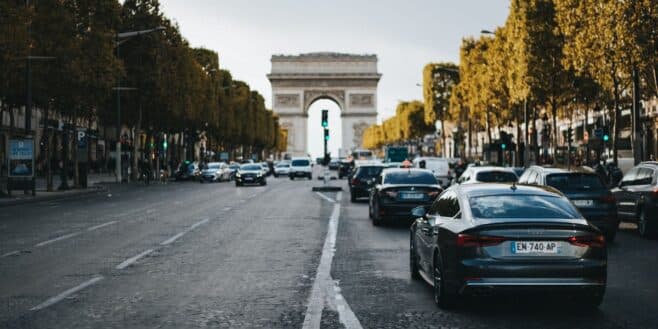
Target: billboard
21, 158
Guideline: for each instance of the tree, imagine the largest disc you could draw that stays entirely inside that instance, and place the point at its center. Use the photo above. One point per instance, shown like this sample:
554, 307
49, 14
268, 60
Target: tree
438, 82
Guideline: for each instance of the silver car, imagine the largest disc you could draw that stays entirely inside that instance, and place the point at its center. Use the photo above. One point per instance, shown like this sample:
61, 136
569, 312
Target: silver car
282, 168
216, 172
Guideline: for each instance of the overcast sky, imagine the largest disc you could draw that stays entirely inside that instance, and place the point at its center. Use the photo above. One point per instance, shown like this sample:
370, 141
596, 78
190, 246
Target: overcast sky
405, 35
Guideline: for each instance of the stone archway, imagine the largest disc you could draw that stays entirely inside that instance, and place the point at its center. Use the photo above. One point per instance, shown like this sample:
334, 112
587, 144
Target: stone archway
349, 80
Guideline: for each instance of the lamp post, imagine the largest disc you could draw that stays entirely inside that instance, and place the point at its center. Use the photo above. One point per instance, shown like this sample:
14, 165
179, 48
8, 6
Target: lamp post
119, 39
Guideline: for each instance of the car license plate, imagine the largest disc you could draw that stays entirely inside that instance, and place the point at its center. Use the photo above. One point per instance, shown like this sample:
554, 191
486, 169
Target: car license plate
248, 179
535, 247
583, 203
412, 196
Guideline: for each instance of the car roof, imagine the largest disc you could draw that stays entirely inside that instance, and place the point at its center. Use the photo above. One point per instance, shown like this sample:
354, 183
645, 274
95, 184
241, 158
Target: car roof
549, 170
483, 189
491, 168
405, 170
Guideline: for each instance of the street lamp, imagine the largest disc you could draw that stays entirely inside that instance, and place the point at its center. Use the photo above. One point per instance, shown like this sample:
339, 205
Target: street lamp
119, 39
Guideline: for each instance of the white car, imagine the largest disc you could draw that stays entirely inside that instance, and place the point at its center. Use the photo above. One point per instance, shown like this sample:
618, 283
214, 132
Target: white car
282, 168
438, 166
488, 174
300, 167
215, 172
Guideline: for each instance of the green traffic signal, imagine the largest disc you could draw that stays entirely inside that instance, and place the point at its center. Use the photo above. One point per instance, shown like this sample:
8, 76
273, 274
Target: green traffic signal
326, 134
504, 146
606, 138
164, 144
325, 118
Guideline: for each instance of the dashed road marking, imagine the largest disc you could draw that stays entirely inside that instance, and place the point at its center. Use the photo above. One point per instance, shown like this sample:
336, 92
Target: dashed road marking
150, 211
60, 238
133, 259
179, 235
93, 228
11, 253
60, 297
227, 209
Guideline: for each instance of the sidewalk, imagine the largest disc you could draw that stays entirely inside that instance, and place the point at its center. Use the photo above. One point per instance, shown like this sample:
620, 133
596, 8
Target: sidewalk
94, 183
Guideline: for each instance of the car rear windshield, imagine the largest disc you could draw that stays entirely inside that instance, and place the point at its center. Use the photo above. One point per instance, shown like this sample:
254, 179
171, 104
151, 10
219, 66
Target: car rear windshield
522, 207
410, 177
437, 165
282, 165
213, 166
574, 181
251, 167
300, 163
369, 171
496, 177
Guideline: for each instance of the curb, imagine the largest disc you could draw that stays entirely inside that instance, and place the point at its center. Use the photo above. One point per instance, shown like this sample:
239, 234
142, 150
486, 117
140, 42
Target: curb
96, 188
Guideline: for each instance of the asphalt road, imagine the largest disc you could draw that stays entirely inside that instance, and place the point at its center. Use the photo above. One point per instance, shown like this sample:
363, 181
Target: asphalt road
190, 255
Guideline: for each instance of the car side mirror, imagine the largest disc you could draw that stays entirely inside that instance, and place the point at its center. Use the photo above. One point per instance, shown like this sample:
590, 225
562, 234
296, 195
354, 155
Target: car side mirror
419, 211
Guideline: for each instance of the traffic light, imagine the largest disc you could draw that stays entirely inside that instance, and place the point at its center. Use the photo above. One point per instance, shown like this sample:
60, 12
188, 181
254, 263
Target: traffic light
326, 134
570, 135
325, 120
164, 144
606, 134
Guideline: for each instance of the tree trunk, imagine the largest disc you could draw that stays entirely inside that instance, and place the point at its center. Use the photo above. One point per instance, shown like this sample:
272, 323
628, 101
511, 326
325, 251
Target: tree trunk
49, 145
76, 165
586, 131
615, 123
555, 136
488, 127
535, 115
518, 136
470, 137
443, 138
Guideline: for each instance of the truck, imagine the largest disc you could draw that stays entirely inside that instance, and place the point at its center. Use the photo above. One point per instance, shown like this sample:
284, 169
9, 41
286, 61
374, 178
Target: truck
396, 154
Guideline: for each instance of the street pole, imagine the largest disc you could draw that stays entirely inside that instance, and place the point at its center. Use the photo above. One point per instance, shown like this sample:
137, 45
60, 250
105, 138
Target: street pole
117, 168
525, 136
638, 153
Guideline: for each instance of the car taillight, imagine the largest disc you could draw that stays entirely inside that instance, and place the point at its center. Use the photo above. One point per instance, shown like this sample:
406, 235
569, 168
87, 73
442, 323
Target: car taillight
355, 181
466, 240
390, 194
433, 194
608, 199
596, 241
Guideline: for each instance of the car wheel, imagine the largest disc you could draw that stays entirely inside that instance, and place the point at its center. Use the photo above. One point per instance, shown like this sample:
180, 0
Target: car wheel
352, 197
591, 301
292, 177
610, 236
413, 259
442, 298
644, 225
276, 175
263, 183
376, 218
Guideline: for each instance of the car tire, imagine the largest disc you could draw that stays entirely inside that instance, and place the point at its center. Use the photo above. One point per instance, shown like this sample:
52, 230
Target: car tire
263, 183
237, 184
610, 236
376, 219
352, 197
276, 175
590, 301
442, 298
292, 177
413, 259
645, 226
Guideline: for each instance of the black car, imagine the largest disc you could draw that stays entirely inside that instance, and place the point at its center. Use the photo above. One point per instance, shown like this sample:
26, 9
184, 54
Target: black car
637, 198
400, 190
334, 164
362, 179
345, 168
585, 190
488, 238
250, 174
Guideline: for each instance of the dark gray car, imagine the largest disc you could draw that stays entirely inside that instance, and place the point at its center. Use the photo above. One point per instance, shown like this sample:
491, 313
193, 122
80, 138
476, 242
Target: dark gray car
487, 238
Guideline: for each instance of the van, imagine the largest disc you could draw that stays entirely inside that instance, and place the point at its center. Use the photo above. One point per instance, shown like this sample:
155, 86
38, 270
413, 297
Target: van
438, 166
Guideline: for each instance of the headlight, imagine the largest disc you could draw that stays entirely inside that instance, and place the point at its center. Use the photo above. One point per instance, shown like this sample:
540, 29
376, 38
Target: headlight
237, 174
260, 174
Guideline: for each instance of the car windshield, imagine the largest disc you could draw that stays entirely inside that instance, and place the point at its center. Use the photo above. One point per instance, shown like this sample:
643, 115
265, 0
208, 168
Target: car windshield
369, 171
496, 177
213, 166
251, 167
300, 163
409, 177
575, 181
437, 165
283, 165
522, 207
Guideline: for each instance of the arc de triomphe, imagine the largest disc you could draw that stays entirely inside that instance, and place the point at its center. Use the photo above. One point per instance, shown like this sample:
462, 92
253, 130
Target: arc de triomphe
349, 80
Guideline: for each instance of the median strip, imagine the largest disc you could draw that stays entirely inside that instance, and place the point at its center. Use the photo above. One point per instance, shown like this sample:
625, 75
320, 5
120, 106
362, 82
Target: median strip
65, 294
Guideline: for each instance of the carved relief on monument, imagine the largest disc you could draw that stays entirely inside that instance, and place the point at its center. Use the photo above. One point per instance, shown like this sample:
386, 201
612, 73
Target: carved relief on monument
359, 129
312, 95
287, 127
362, 99
286, 100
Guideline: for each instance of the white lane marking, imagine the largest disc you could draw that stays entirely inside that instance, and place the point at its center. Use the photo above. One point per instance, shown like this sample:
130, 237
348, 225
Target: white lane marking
325, 289
67, 293
149, 211
11, 253
227, 209
339, 196
325, 197
60, 238
178, 235
173, 238
131, 260
93, 228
